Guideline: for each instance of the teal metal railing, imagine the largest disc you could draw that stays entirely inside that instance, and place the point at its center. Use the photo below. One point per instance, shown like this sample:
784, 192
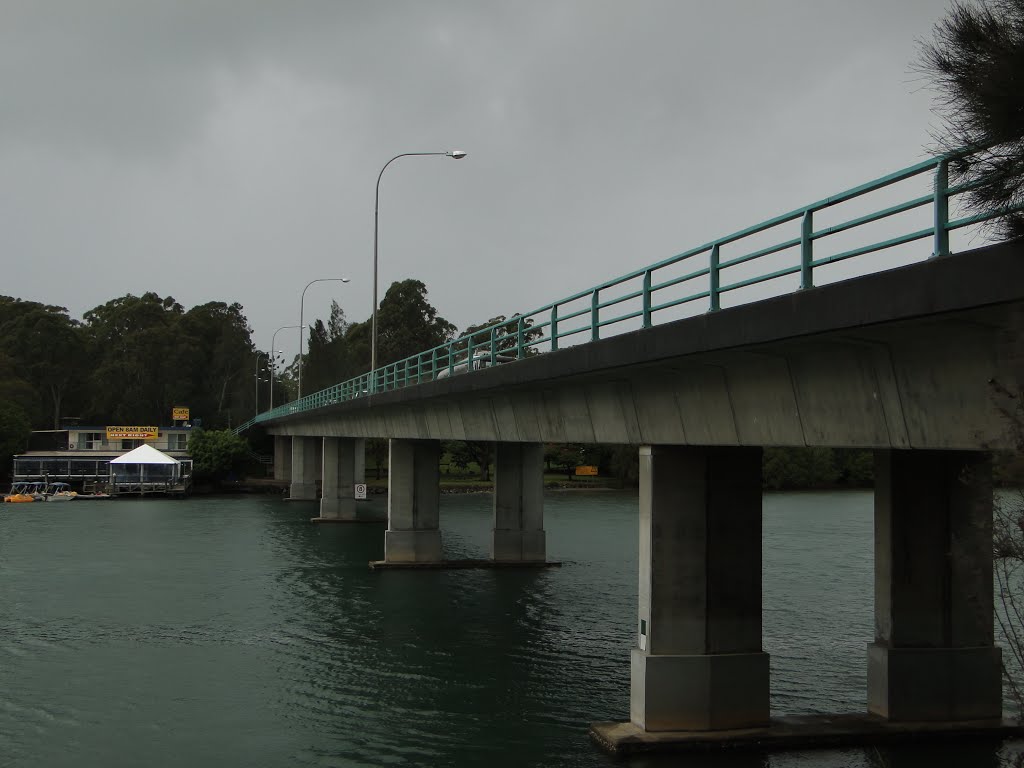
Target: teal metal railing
245, 425
640, 298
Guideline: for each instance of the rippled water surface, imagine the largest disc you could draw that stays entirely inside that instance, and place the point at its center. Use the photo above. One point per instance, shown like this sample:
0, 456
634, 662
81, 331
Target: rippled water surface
232, 632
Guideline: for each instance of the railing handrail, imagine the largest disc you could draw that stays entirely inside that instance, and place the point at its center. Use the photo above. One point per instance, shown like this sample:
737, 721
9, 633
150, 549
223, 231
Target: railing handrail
547, 325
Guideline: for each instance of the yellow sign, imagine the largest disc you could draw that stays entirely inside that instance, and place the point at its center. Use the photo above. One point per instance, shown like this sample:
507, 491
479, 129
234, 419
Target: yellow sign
132, 433
179, 414
586, 470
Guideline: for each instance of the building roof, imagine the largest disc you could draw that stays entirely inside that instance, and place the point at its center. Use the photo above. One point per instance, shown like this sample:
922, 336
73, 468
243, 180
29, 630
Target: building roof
145, 454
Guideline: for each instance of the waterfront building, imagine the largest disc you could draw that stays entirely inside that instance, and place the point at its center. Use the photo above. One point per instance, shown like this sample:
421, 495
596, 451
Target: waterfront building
81, 455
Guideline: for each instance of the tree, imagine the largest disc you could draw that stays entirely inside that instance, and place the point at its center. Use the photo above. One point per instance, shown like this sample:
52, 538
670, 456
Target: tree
216, 341
506, 334
217, 453
138, 359
48, 349
335, 352
976, 61
462, 453
794, 468
149, 355
377, 451
407, 323
14, 433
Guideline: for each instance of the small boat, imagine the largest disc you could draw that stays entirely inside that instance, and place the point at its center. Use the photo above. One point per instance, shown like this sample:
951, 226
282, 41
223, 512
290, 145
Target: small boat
59, 492
23, 493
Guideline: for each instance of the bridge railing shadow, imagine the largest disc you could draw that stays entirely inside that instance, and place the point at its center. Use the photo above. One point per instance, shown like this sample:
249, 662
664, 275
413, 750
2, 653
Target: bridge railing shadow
785, 250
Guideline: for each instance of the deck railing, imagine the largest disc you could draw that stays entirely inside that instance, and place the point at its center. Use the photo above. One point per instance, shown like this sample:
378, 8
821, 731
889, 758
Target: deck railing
658, 292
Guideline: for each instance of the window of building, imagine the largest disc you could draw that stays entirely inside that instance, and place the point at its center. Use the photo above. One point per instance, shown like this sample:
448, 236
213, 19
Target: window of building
177, 441
127, 445
91, 440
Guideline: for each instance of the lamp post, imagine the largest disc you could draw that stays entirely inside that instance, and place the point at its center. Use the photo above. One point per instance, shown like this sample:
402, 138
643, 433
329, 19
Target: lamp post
275, 350
455, 154
258, 356
302, 335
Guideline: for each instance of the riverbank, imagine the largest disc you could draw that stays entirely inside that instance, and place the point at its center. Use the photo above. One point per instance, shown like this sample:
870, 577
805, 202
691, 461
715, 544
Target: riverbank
380, 487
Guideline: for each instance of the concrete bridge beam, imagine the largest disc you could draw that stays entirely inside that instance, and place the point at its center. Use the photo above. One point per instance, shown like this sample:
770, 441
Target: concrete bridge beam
934, 656
414, 500
305, 469
698, 664
344, 464
518, 534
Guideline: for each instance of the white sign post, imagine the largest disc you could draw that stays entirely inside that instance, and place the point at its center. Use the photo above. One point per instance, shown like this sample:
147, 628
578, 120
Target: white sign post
360, 491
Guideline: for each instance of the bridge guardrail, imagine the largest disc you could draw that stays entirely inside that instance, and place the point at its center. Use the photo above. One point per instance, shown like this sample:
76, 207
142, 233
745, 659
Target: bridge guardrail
554, 324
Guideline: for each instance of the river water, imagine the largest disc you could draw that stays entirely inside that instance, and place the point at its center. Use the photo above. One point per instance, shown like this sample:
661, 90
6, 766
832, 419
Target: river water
232, 632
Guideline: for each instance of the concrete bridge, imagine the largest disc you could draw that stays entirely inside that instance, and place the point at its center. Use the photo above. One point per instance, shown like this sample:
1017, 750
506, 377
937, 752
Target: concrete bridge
922, 364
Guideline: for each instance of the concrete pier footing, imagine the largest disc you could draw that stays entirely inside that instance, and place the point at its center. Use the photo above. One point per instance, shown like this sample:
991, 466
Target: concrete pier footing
461, 565
698, 663
304, 469
414, 499
699, 680
796, 732
344, 465
934, 655
518, 533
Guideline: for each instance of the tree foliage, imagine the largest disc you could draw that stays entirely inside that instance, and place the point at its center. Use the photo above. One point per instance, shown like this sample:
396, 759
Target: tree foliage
337, 351
14, 432
976, 61
43, 351
463, 453
217, 453
148, 354
407, 323
506, 334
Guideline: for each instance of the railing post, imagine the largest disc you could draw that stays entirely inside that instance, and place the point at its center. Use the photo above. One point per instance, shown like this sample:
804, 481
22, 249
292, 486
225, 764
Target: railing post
595, 316
494, 344
647, 299
554, 327
433, 364
713, 288
807, 250
520, 339
941, 209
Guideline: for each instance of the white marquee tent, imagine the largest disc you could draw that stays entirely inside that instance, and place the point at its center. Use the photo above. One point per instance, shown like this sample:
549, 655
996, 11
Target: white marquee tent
145, 465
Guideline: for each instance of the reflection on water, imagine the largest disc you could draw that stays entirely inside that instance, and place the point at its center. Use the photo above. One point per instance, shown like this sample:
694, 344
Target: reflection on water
234, 632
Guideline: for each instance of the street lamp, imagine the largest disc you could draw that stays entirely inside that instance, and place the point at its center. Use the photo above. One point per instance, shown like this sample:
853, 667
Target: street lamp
455, 154
258, 379
275, 350
302, 335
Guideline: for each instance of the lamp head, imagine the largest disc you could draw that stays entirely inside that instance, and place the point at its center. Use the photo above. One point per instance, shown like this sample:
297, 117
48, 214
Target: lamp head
456, 154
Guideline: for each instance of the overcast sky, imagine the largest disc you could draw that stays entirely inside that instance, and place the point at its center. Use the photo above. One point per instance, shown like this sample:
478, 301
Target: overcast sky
229, 150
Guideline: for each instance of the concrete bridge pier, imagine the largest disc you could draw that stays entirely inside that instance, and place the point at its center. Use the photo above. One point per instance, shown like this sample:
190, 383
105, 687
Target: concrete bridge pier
698, 663
934, 656
344, 465
414, 501
518, 535
304, 469
282, 458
